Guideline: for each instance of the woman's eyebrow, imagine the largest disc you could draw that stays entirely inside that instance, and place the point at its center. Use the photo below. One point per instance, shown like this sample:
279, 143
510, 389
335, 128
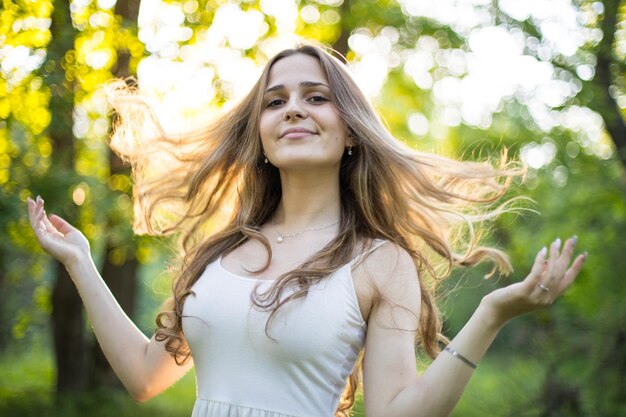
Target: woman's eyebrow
302, 84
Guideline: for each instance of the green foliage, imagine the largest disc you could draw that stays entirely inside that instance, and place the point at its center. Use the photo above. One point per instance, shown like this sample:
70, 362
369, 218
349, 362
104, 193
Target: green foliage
502, 386
576, 338
28, 390
568, 360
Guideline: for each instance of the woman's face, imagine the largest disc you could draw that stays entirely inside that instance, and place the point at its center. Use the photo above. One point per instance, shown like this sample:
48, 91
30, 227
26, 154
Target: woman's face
300, 127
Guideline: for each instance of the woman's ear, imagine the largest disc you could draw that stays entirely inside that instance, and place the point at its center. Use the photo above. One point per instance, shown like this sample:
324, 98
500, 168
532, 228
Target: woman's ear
350, 141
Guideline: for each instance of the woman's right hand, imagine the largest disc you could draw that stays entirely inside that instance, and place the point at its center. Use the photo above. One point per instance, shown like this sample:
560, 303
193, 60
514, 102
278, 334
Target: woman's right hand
55, 235
549, 277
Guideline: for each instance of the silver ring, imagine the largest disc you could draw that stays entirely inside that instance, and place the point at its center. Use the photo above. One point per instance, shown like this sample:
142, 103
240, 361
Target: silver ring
543, 287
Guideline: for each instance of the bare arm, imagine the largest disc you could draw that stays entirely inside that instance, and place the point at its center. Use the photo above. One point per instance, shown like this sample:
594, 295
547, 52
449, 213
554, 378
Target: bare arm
143, 365
389, 354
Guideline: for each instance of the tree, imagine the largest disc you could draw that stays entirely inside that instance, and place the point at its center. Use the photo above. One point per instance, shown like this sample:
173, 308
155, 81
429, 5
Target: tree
609, 70
120, 263
566, 124
67, 310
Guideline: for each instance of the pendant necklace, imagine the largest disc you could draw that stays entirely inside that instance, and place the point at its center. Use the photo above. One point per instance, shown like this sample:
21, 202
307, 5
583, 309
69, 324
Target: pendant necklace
281, 238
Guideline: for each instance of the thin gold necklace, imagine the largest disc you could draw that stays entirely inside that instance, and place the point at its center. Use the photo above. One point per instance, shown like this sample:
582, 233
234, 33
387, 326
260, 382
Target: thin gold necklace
281, 237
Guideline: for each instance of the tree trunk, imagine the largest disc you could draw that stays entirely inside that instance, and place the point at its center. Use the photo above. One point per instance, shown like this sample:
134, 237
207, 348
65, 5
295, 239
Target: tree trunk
67, 313
4, 326
68, 330
559, 399
121, 278
606, 105
341, 44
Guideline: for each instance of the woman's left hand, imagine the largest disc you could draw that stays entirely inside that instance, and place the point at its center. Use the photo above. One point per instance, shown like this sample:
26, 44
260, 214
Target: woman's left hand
547, 280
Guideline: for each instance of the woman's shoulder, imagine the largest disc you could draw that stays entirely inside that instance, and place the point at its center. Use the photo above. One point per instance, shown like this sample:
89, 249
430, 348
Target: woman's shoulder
384, 260
386, 272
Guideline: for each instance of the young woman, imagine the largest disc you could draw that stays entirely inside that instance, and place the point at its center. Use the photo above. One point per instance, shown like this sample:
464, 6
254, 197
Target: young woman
310, 235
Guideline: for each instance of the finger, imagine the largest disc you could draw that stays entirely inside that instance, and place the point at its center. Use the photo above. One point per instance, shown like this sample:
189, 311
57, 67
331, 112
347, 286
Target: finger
61, 224
32, 211
40, 234
31, 207
50, 228
555, 248
39, 227
29, 203
537, 270
572, 272
37, 207
39, 216
568, 251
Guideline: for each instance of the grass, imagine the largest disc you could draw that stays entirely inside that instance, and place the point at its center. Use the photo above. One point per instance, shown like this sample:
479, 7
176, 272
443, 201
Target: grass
26, 390
501, 387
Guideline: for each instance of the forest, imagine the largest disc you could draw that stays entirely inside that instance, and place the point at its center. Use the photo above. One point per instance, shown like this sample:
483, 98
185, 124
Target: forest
463, 78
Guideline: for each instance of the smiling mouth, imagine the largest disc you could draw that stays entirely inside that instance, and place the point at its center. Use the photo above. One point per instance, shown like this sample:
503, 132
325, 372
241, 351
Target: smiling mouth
297, 135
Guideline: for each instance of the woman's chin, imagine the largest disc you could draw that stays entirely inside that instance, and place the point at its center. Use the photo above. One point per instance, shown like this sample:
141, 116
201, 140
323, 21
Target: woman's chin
305, 163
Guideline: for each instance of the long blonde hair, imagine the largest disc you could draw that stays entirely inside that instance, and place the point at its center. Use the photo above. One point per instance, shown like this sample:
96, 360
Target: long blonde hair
431, 206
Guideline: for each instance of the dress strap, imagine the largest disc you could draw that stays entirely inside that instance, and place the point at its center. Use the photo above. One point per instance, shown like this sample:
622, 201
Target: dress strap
377, 243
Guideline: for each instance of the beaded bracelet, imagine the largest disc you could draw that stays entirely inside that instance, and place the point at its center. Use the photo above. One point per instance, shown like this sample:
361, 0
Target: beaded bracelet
461, 357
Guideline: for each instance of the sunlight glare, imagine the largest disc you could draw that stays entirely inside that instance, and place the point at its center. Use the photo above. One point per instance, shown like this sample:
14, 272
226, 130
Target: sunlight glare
418, 65
284, 11
186, 84
592, 131
538, 155
17, 62
273, 45
418, 124
241, 28
562, 26
98, 59
161, 27
499, 64
460, 15
80, 193
373, 58
310, 14
585, 72
370, 73
106, 4
560, 175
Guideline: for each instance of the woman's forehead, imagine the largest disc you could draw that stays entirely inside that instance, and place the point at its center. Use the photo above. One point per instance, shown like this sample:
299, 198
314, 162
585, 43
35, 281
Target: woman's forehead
295, 69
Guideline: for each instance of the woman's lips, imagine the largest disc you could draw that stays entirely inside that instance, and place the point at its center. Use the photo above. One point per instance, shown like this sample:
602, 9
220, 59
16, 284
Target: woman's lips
297, 135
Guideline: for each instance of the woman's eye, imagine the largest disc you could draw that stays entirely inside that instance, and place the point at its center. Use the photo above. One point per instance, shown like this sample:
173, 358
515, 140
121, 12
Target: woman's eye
318, 99
274, 102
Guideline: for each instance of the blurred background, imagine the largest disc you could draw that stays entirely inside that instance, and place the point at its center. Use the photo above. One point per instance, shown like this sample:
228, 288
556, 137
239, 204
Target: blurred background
464, 78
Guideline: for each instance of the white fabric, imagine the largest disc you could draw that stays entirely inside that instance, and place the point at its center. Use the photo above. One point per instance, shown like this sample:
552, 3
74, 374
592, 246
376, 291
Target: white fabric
240, 372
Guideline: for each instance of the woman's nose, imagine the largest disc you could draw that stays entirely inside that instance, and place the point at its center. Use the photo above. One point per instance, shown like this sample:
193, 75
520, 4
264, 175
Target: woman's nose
294, 109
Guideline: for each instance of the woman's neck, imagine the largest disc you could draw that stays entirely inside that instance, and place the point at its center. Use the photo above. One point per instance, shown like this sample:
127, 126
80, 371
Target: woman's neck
308, 200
